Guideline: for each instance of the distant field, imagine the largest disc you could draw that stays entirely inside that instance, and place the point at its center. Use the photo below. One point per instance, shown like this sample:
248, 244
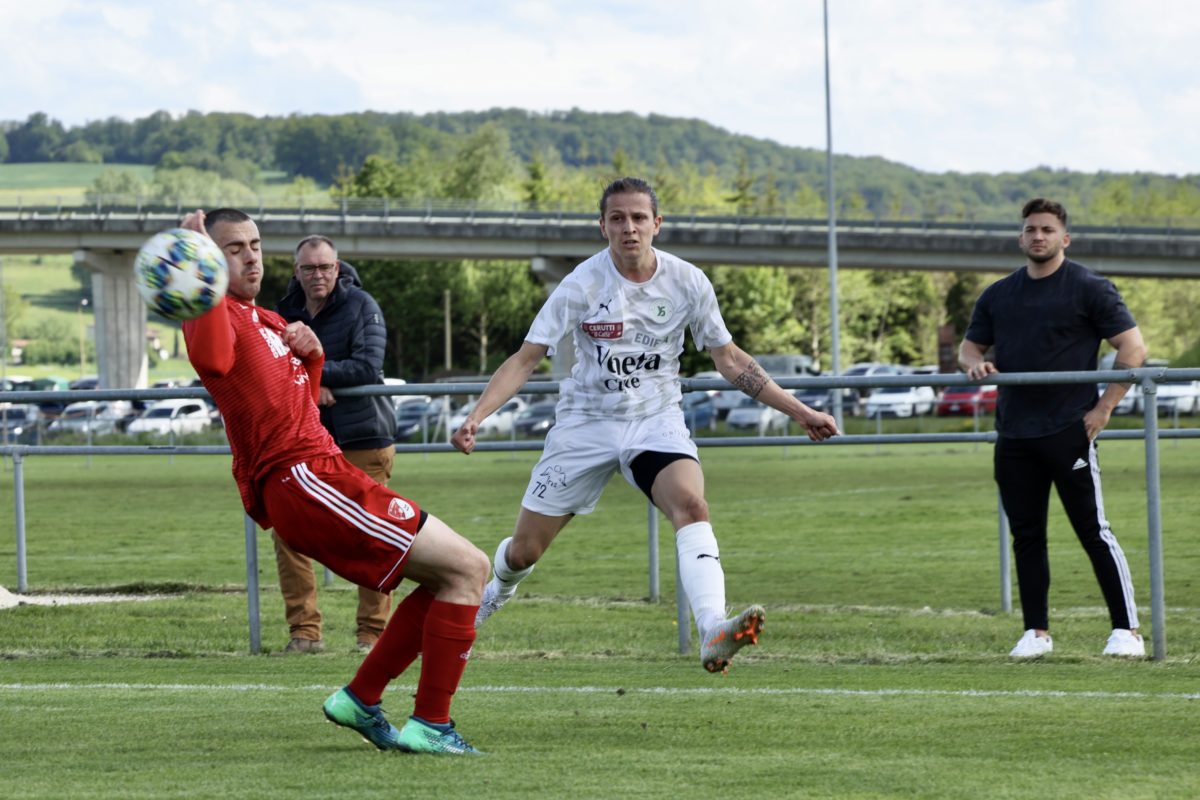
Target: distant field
68, 184
41, 184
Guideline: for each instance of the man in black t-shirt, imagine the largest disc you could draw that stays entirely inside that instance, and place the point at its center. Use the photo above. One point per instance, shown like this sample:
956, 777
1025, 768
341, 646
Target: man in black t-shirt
1050, 316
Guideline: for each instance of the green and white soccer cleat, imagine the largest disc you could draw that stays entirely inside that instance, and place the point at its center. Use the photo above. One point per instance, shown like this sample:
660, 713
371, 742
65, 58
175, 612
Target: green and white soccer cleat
347, 711
722, 641
418, 736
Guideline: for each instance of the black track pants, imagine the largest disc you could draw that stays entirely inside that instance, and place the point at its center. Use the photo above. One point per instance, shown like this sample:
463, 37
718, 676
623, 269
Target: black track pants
1024, 471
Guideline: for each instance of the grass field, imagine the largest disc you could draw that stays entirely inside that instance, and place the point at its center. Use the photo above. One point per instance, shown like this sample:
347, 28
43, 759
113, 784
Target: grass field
881, 672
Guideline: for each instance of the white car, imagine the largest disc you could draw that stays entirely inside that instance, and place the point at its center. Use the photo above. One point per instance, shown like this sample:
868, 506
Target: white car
177, 416
753, 415
1130, 403
498, 423
901, 401
1181, 397
92, 416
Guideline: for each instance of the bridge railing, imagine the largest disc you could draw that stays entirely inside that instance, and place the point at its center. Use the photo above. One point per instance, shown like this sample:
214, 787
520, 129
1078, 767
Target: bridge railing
1148, 378
164, 213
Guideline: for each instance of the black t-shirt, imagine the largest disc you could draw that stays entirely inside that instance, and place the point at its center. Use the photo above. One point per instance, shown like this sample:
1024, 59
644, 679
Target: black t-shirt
1054, 324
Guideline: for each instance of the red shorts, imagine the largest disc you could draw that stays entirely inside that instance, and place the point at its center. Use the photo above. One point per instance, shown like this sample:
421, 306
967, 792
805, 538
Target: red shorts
328, 509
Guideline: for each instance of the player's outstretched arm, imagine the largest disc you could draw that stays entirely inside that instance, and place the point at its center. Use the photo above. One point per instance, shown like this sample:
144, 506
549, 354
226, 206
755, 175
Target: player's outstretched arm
739, 368
505, 382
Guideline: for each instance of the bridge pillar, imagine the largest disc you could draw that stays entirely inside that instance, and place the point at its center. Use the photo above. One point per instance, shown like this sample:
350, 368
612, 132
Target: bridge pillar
551, 271
120, 319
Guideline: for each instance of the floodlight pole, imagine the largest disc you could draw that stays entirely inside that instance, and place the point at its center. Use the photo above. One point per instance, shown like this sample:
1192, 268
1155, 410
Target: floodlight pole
835, 363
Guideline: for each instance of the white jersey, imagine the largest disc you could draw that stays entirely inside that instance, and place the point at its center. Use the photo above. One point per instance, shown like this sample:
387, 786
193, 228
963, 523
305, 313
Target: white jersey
628, 336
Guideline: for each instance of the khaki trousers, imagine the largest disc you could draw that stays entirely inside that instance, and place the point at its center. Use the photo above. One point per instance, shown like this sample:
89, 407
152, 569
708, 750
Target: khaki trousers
297, 581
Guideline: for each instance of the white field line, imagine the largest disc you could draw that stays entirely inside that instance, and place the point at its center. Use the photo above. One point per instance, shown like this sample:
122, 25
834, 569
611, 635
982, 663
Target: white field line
201, 688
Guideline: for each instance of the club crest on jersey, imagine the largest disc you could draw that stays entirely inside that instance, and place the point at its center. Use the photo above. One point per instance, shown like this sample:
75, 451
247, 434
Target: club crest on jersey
603, 330
400, 509
661, 310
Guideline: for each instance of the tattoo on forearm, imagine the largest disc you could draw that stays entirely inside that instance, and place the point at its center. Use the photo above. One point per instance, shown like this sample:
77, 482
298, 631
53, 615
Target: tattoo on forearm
752, 380
1118, 364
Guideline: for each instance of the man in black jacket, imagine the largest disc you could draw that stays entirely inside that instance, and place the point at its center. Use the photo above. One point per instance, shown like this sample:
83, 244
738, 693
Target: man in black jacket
327, 295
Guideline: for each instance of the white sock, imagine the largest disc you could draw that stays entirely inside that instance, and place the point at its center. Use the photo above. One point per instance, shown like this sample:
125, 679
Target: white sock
507, 578
701, 574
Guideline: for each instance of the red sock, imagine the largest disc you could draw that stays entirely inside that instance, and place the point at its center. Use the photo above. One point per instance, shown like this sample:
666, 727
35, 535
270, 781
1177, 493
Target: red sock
449, 634
398, 646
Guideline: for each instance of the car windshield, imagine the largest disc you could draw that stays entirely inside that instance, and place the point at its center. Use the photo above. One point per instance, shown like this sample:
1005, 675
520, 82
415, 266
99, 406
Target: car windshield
158, 413
895, 390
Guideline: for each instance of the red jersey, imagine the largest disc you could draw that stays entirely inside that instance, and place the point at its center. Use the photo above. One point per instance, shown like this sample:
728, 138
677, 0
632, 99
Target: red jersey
265, 392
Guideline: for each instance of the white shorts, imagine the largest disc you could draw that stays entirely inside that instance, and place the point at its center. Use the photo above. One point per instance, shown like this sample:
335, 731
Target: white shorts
582, 453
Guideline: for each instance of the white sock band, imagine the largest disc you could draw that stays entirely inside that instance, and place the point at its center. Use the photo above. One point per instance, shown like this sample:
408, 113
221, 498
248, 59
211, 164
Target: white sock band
506, 575
700, 573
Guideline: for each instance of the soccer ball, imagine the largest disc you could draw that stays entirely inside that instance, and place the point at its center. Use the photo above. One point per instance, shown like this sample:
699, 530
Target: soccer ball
180, 273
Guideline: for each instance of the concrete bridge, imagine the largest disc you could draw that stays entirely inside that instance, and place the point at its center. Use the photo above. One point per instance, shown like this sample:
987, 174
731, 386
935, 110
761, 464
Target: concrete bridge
105, 238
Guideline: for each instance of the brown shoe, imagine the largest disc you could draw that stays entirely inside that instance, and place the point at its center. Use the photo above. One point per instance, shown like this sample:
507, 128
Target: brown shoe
305, 646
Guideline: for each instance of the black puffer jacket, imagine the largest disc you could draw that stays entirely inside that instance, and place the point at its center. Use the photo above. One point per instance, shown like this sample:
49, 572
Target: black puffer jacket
351, 329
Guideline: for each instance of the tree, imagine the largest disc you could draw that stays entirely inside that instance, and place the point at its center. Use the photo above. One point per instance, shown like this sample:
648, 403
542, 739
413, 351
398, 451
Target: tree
35, 140
116, 185
497, 298
757, 305
536, 188
482, 166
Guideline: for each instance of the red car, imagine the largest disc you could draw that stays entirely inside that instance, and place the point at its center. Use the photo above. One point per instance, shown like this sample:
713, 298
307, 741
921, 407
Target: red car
963, 400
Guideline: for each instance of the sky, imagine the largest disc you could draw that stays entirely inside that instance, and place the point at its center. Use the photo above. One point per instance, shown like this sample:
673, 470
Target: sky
941, 85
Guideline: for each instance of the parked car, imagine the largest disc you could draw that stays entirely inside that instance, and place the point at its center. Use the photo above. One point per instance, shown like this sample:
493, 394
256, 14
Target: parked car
19, 423
753, 415
1130, 403
901, 401
18, 383
816, 399
1182, 397
964, 400
710, 375
414, 415
699, 411
854, 398
176, 416
498, 423
92, 416
537, 419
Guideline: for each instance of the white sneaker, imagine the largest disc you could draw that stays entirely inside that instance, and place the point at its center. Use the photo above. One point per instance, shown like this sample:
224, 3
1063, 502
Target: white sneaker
723, 640
1125, 643
1032, 646
491, 601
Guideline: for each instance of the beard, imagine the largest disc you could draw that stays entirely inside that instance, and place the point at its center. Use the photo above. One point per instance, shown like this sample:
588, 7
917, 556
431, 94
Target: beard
1049, 254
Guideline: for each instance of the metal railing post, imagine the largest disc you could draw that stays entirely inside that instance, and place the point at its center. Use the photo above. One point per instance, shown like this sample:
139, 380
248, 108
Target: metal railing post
683, 616
1158, 621
19, 504
1005, 557
252, 609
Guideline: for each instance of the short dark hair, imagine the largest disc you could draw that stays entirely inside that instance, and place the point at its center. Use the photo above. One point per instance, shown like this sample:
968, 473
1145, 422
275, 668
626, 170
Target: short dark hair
1040, 205
311, 239
218, 215
623, 185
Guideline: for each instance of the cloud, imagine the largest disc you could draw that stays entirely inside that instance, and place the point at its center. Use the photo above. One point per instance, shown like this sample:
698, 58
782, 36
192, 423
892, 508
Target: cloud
992, 85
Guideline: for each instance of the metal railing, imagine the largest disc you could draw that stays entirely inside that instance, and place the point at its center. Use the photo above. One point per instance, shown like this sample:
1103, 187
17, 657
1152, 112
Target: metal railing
1148, 378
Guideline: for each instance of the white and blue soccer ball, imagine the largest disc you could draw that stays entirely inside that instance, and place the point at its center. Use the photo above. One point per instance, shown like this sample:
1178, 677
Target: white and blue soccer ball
181, 274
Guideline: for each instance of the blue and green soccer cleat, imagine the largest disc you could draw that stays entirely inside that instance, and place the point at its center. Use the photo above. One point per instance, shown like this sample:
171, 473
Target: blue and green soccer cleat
347, 711
419, 736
